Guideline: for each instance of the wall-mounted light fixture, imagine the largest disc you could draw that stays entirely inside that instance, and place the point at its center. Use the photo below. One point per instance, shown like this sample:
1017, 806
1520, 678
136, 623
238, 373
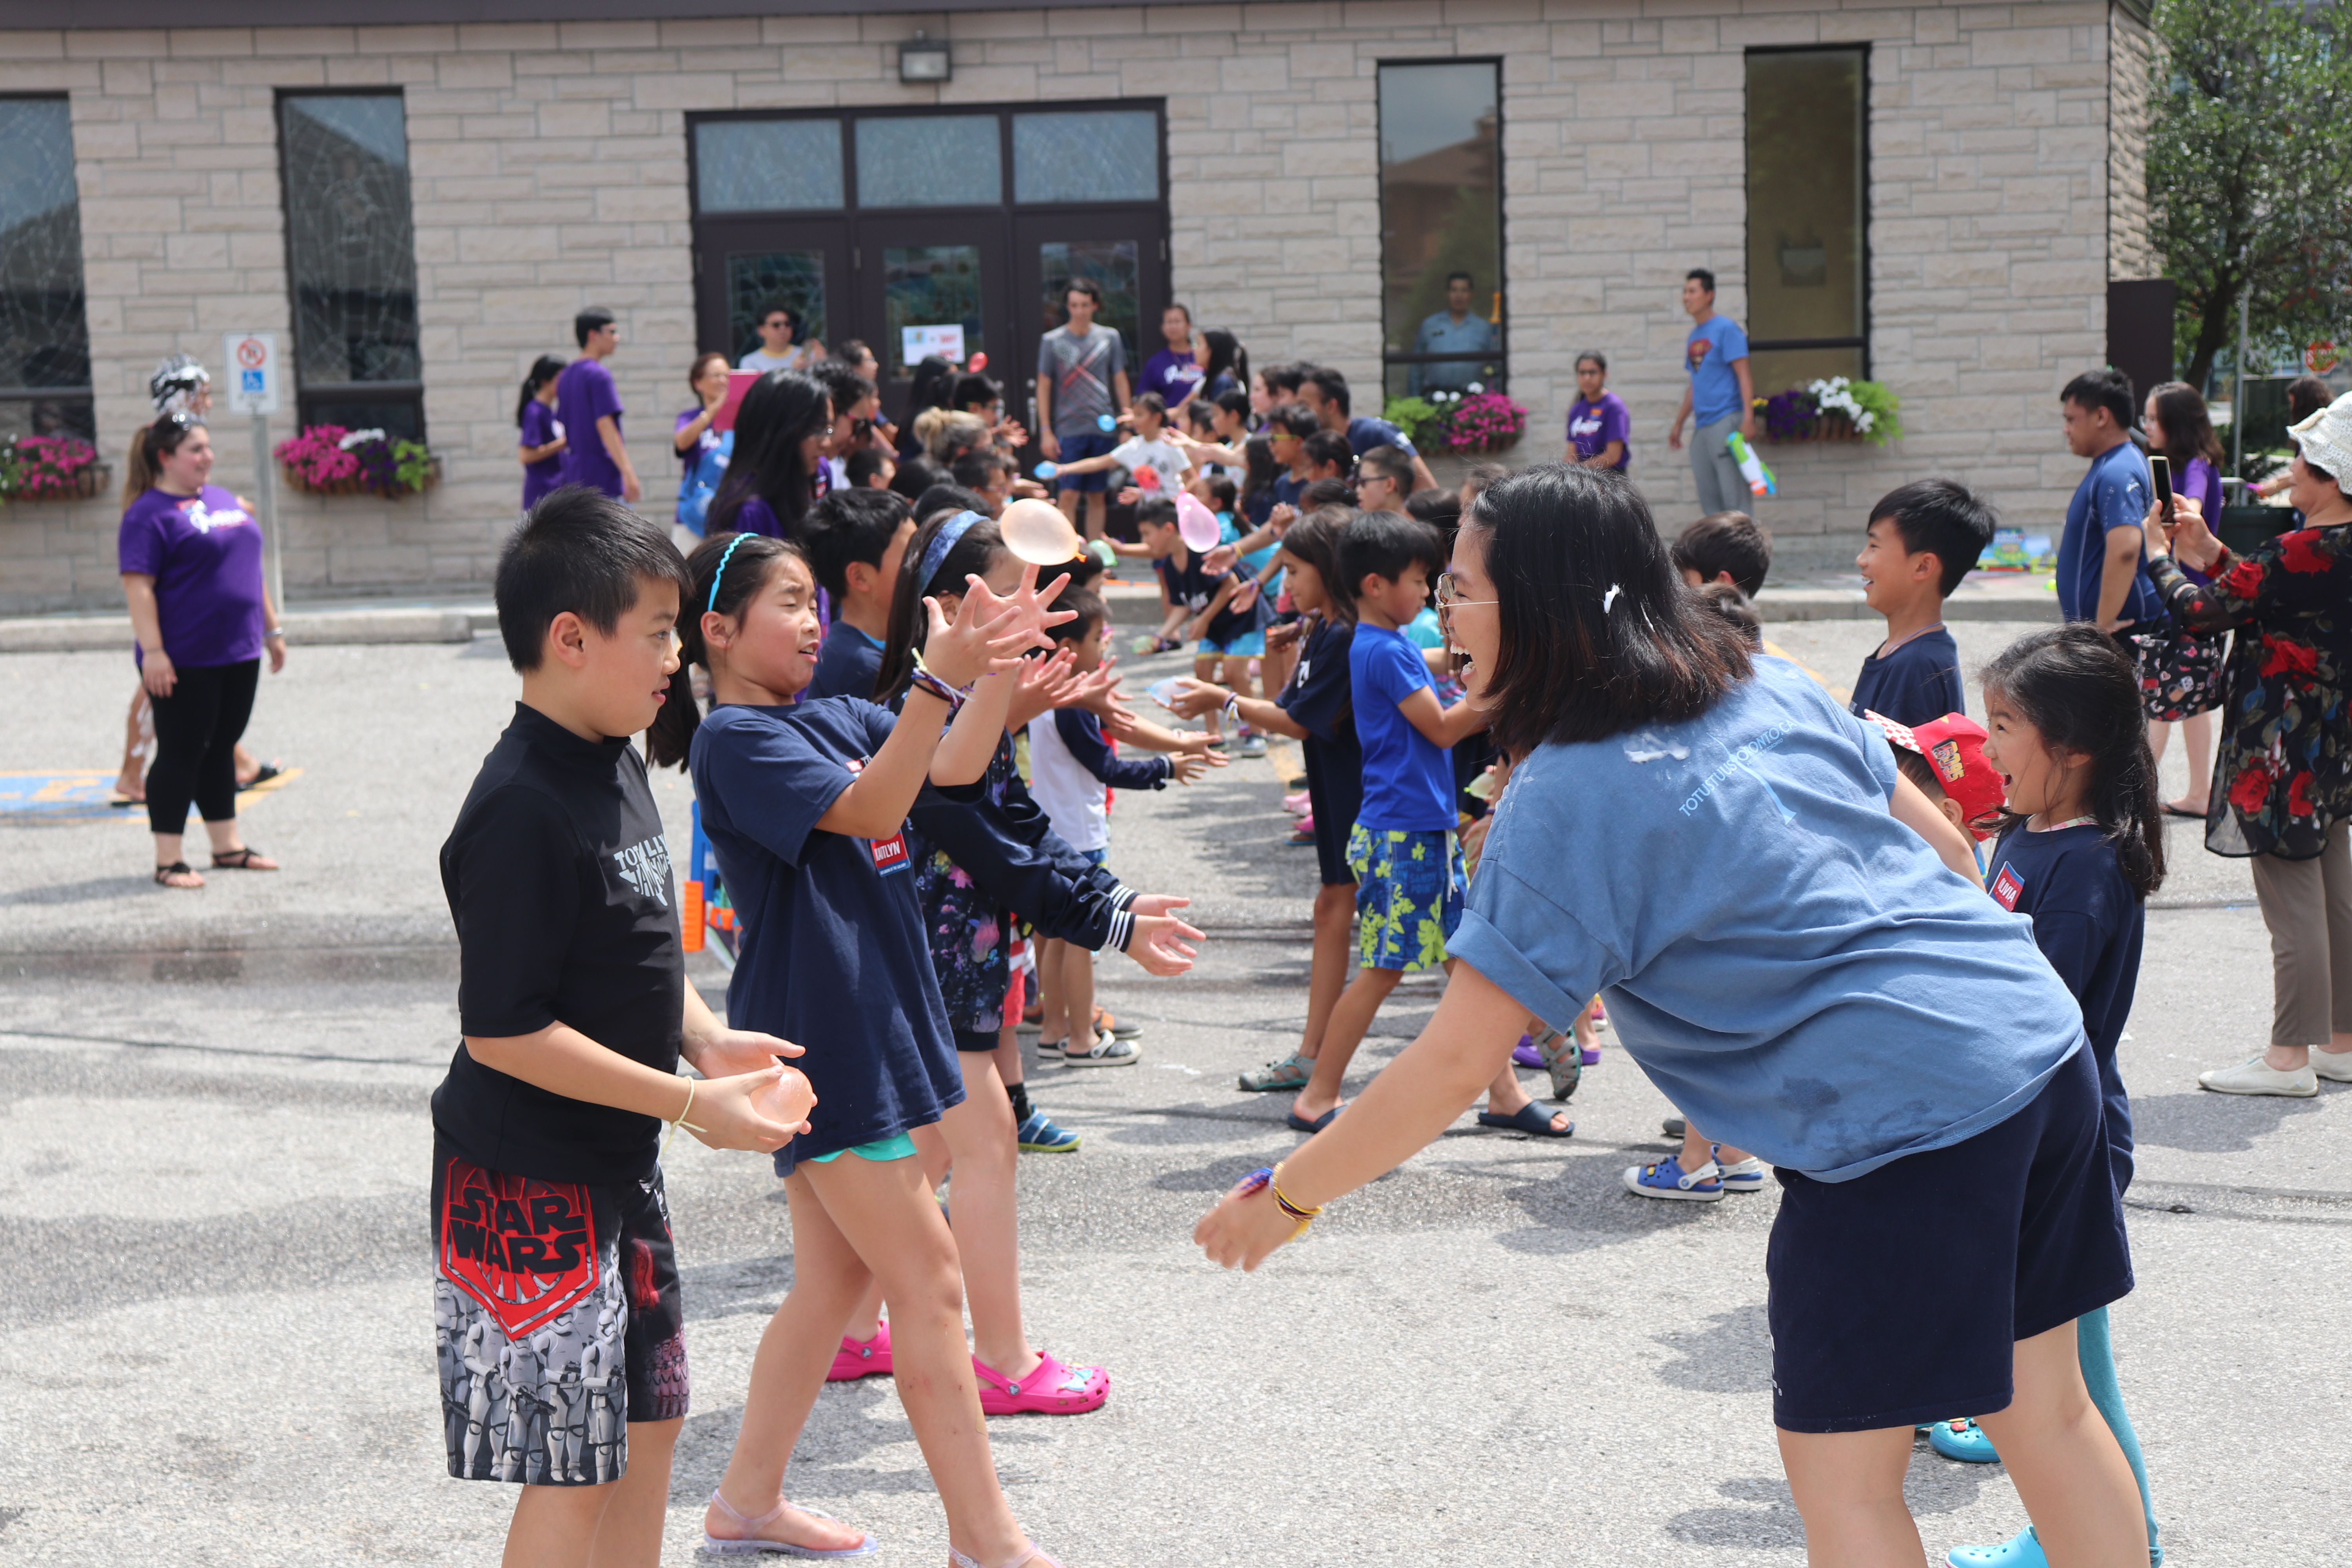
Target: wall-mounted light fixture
924, 59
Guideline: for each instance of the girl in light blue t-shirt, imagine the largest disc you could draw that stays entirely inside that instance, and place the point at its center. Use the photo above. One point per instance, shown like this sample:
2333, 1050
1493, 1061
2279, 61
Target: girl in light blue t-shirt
1794, 946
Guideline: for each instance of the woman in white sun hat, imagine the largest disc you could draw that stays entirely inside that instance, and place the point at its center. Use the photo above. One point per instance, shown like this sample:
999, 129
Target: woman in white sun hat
2283, 778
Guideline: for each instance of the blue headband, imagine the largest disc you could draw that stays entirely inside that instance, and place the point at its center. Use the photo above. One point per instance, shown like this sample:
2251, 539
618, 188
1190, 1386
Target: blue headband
721, 576
936, 555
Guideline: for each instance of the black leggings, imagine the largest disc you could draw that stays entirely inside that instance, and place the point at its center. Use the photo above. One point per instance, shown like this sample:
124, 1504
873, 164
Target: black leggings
196, 731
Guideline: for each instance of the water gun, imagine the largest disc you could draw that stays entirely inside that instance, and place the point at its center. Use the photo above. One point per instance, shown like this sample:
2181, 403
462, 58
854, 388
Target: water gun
1751, 467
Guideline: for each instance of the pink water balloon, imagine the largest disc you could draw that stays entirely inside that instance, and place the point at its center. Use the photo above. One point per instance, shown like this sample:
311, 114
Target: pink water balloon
1196, 525
1037, 533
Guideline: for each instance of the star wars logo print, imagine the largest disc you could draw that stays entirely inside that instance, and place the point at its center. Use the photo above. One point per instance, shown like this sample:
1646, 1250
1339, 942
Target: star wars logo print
523, 1248
646, 868
2005, 887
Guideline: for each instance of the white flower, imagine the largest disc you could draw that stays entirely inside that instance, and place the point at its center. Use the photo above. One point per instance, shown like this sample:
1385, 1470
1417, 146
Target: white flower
1477, 386
359, 438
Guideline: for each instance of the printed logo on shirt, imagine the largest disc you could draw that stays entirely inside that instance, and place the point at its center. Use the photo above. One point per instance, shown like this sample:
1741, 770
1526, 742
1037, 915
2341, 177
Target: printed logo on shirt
203, 520
890, 854
646, 868
2006, 888
1587, 425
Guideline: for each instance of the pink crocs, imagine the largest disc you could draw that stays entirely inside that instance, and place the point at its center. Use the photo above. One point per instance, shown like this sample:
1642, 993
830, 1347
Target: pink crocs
862, 1358
1052, 1390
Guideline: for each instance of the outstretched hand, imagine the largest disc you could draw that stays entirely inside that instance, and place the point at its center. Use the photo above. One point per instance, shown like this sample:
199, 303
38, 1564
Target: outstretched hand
990, 632
1158, 942
1244, 1227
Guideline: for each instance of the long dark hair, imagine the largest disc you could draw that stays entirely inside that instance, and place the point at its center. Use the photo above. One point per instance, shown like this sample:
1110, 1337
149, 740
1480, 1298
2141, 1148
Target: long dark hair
970, 556
1599, 635
1226, 357
782, 409
2187, 426
544, 369
150, 447
933, 384
2073, 685
671, 735
1315, 541
1259, 470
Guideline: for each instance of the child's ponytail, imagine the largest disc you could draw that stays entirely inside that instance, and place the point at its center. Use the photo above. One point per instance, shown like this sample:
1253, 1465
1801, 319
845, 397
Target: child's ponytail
949, 547
729, 569
546, 368
2073, 685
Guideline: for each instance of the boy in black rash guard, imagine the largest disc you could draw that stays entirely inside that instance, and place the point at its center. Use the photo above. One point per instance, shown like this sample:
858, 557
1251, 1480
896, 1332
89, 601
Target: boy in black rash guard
854, 542
1922, 539
555, 1289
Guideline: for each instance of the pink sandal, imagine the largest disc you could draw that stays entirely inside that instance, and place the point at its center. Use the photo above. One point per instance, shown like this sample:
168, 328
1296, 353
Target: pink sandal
862, 1358
754, 1544
1030, 1558
1052, 1390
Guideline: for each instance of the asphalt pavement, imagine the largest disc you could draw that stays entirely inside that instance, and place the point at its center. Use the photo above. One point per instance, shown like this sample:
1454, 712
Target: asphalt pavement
215, 1339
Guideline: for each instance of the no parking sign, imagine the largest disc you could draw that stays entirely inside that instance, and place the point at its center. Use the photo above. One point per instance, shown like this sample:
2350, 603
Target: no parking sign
252, 362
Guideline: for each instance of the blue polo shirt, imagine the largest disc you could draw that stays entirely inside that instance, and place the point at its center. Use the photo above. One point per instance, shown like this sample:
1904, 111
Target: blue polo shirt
2114, 493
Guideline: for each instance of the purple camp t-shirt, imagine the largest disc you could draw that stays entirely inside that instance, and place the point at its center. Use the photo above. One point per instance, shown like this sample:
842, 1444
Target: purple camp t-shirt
538, 427
1176, 377
585, 394
204, 553
1592, 425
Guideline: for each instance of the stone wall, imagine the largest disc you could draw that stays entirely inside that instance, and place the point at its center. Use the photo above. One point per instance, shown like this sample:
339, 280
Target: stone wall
2131, 250
549, 166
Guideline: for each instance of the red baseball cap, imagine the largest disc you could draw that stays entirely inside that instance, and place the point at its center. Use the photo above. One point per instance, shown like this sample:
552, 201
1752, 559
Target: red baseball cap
1954, 747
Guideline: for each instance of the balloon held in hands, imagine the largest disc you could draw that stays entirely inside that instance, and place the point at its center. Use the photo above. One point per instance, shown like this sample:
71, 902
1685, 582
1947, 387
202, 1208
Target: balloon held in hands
1037, 533
787, 1100
1196, 525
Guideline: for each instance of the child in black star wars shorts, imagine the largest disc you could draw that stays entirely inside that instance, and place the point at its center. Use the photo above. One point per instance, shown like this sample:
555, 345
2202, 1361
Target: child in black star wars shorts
556, 1307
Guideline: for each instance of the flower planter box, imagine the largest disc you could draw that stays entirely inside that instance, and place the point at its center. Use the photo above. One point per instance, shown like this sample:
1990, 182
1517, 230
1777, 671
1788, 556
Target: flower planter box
354, 486
83, 484
1827, 428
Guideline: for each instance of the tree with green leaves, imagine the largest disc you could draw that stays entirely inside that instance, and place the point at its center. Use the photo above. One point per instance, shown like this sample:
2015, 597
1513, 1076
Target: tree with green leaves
2249, 169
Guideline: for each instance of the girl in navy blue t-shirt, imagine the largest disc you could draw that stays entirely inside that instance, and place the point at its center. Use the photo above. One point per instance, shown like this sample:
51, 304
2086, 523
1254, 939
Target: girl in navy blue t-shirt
805, 805
2083, 850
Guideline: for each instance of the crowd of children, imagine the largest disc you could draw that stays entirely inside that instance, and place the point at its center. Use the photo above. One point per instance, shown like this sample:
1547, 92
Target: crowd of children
1432, 656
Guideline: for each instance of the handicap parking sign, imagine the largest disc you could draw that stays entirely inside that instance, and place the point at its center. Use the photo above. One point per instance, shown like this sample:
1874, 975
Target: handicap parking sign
253, 382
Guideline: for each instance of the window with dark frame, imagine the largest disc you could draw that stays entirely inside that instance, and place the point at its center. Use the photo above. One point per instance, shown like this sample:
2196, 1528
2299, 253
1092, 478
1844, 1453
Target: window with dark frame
1808, 216
1441, 129
351, 262
44, 386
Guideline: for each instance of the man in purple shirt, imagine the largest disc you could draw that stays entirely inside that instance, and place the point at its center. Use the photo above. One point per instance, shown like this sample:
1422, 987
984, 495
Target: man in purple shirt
1173, 372
589, 407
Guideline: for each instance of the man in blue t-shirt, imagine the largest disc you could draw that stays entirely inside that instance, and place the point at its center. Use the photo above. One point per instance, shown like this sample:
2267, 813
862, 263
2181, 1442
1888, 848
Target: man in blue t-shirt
1721, 396
1455, 329
588, 406
2102, 557
1323, 391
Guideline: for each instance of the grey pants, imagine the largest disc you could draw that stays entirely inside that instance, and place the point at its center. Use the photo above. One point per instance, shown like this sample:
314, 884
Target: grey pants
1721, 487
2307, 905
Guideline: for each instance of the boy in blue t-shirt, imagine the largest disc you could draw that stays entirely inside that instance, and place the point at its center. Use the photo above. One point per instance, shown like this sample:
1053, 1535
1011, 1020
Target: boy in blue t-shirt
1408, 877
856, 541
1922, 539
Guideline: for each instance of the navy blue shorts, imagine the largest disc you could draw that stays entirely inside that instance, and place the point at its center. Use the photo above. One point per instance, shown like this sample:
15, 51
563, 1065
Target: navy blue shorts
1899, 1297
1077, 449
1335, 793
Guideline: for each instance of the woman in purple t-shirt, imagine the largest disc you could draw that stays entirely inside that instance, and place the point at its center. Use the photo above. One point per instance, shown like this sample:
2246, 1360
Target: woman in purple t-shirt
190, 554
540, 444
1600, 430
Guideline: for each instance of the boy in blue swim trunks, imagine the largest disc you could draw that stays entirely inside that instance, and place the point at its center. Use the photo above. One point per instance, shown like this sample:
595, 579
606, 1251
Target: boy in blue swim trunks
1408, 877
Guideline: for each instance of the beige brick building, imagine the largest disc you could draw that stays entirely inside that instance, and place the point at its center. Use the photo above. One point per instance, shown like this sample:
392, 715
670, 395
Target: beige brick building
550, 166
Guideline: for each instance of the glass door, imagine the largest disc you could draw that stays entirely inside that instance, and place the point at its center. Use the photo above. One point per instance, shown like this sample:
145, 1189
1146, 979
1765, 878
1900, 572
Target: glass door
932, 285
1118, 250
750, 265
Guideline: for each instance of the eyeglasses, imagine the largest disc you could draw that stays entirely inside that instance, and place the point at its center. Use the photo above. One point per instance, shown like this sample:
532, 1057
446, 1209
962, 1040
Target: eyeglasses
1450, 599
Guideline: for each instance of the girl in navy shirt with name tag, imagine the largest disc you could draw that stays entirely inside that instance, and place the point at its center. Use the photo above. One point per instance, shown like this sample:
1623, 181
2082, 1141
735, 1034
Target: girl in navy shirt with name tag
804, 804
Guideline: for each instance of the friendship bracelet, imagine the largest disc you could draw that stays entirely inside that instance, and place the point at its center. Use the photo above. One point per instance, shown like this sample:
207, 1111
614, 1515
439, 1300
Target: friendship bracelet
680, 1121
1303, 1216
1233, 704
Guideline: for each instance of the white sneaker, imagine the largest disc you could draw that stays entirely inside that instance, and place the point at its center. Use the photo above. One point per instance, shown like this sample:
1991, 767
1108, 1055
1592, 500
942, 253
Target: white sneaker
2335, 1066
2253, 1075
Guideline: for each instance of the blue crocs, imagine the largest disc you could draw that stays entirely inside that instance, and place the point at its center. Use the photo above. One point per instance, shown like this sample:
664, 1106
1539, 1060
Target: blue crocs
2022, 1550
1667, 1179
1039, 1136
1964, 1440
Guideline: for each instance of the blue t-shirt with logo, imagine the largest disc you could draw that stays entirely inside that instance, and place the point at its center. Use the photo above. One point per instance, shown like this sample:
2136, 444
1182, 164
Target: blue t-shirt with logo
1408, 781
832, 953
2114, 493
1707, 354
1790, 965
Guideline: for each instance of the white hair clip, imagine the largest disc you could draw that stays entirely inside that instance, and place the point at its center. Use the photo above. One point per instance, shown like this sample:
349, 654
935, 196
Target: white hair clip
1610, 598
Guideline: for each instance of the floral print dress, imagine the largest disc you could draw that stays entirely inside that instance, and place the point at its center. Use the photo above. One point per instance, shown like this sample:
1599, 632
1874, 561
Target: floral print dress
2283, 772
969, 932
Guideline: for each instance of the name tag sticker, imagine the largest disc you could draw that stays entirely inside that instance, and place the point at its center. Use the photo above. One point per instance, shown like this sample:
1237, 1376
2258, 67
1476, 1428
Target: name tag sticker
890, 854
2005, 889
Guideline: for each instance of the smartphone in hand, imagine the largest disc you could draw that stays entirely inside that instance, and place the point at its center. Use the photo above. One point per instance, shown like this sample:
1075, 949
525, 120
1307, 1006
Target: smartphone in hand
2161, 469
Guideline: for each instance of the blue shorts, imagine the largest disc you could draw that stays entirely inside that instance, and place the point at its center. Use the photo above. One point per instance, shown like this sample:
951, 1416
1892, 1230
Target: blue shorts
1898, 1297
1094, 856
1077, 449
1248, 644
1409, 887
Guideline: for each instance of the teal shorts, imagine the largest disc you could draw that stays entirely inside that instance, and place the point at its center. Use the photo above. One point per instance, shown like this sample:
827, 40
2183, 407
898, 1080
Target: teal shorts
1409, 890
882, 1150
1248, 644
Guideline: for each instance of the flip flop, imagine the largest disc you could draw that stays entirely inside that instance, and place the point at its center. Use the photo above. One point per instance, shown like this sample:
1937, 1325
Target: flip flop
2172, 810
1530, 1119
1300, 1124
